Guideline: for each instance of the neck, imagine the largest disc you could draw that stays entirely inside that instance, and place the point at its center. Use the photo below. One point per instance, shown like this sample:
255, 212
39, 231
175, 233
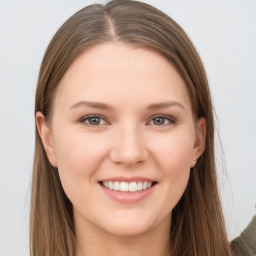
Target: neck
91, 241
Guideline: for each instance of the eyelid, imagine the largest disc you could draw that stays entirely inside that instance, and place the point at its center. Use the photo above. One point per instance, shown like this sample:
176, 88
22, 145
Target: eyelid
84, 118
171, 119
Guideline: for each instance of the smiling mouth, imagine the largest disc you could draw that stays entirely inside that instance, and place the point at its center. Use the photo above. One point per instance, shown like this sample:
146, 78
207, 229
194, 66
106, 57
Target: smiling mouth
123, 186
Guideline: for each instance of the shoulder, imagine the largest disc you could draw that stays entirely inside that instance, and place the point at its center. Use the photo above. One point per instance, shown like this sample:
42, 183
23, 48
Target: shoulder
245, 244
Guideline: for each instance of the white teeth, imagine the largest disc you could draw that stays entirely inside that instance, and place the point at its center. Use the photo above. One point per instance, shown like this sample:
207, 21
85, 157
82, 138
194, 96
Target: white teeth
110, 185
149, 184
116, 185
139, 187
132, 186
105, 183
127, 186
124, 186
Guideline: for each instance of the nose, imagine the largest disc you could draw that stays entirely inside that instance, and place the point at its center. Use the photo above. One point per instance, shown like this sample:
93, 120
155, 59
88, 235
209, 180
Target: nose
128, 147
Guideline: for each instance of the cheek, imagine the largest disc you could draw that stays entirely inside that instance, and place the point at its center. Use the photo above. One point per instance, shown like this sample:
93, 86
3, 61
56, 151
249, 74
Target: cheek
174, 153
173, 157
78, 155
77, 152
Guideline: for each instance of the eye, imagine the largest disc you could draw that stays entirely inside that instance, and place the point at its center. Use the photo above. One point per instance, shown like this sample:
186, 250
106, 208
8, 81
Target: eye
93, 120
162, 120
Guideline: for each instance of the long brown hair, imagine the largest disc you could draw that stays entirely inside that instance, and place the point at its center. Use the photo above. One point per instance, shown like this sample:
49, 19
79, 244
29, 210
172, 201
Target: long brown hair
197, 226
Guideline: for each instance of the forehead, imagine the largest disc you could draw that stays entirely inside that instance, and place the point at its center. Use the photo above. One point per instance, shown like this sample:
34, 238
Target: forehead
117, 73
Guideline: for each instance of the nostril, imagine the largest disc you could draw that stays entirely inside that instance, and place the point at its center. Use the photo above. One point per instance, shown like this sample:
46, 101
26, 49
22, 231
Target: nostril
128, 152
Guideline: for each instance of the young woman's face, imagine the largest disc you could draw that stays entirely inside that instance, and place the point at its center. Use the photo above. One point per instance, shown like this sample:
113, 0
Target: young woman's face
122, 120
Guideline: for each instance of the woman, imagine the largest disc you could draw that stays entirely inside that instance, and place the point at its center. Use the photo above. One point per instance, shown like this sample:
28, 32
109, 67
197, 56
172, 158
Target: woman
124, 157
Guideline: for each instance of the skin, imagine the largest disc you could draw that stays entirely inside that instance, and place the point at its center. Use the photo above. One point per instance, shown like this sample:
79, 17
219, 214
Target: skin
127, 141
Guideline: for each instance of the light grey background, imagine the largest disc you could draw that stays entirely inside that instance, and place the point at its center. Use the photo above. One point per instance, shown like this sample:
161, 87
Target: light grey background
224, 33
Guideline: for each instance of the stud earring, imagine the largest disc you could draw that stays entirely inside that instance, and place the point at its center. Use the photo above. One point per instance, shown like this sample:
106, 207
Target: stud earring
194, 159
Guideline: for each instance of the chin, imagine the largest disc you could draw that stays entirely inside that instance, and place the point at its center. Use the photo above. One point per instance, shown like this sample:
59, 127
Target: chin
127, 229
127, 226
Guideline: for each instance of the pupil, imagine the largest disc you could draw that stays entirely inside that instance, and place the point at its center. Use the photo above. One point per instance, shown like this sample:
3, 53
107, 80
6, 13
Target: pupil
159, 120
94, 120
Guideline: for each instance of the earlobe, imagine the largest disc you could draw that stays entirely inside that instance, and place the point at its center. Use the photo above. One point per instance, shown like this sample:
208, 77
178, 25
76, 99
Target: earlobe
46, 137
199, 145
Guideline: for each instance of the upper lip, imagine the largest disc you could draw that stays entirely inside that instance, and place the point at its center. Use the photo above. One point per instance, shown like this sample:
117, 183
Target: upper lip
128, 179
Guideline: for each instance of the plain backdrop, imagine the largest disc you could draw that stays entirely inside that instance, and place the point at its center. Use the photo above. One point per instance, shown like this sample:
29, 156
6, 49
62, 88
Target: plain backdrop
223, 31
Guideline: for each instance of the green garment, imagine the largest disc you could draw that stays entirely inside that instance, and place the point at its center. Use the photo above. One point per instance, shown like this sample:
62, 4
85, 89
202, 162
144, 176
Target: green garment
245, 244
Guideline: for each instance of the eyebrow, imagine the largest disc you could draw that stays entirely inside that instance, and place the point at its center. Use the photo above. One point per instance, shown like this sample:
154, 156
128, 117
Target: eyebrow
91, 104
166, 104
104, 106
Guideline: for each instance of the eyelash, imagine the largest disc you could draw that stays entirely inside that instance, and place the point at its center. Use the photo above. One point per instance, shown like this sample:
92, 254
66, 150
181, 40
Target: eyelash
85, 118
170, 119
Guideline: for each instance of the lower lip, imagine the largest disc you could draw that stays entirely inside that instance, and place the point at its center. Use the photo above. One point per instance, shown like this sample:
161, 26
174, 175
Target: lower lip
128, 197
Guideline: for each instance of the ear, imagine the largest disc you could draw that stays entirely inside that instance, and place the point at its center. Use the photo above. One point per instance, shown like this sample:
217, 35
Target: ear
199, 145
46, 137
